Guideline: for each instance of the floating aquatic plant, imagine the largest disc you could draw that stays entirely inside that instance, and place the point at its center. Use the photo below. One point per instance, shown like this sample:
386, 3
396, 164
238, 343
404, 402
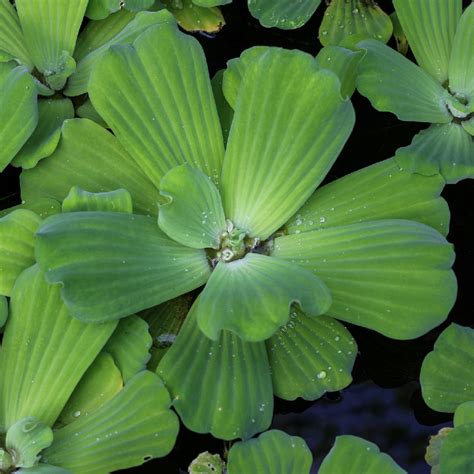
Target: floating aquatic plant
439, 91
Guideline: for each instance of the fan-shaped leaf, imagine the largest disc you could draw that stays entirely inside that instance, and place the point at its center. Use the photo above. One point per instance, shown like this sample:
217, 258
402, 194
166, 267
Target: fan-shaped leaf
272, 164
113, 264
310, 356
220, 387
392, 276
159, 102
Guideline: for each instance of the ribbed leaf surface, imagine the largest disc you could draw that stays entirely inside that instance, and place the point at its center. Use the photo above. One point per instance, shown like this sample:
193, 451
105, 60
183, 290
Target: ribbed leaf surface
252, 296
45, 138
79, 200
220, 387
113, 264
394, 84
442, 148
98, 164
273, 163
446, 377
392, 276
310, 356
159, 102
272, 452
45, 352
380, 191
283, 14
17, 246
430, 28
353, 455
133, 427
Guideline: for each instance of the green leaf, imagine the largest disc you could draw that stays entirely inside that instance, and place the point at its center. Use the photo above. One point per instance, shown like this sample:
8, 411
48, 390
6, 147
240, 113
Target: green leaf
98, 164
468, 125
434, 448
442, 148
193, 17
3, 311
310, 356
17, 246
12, 42
273, 451
79, 200
45, 352
456, 454
226, 114
50, 28
464, 414
27, 438
45, 138
100, 9
252, 296
272, 164
192, 213
394, 84
399, 34
392, 276
211, 3
44, 207
78, 82
129, 346
87, 111
379, 191
354, 20
430, 28
138, 5
461, 65
446, 375
220, 387
283, 14
342, 62
18, 110
127, 265
44, 469
353, 455
166, 91
207, 463
133, 427
100, 383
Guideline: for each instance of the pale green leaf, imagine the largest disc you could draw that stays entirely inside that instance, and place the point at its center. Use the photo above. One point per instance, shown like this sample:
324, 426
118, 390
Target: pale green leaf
393, 276
133, 427
3, 311
464, 414
45, 138
442, 148
446, 377
283, 14
129, 346
100, 9
211, 3
207, 463
394, 84
226, 114
468, 125
457, 455
87, 111
100, 383
310, 356
354, 20
18, 110
434, 448
430, 27
50, 28
272, 452
44, 469
17, 246
220, 387
78, 82
192, 213
112, 264
461, 65
98, 164
45, 352
273, 164
44, 207
79, 200
252, 296
159, 102
12, 42
353, 455
379, 191
342, 62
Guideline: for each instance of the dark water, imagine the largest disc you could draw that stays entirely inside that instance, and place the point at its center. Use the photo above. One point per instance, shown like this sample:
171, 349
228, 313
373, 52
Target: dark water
383, 404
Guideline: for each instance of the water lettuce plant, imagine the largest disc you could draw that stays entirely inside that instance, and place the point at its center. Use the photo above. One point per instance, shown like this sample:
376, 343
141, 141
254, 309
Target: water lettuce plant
440, 91
74, 397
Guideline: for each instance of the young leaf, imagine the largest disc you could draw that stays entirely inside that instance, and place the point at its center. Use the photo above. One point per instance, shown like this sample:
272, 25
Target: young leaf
392, 276
273, 451
252, 296
220, 387
272, 164
128, 264
79, 200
